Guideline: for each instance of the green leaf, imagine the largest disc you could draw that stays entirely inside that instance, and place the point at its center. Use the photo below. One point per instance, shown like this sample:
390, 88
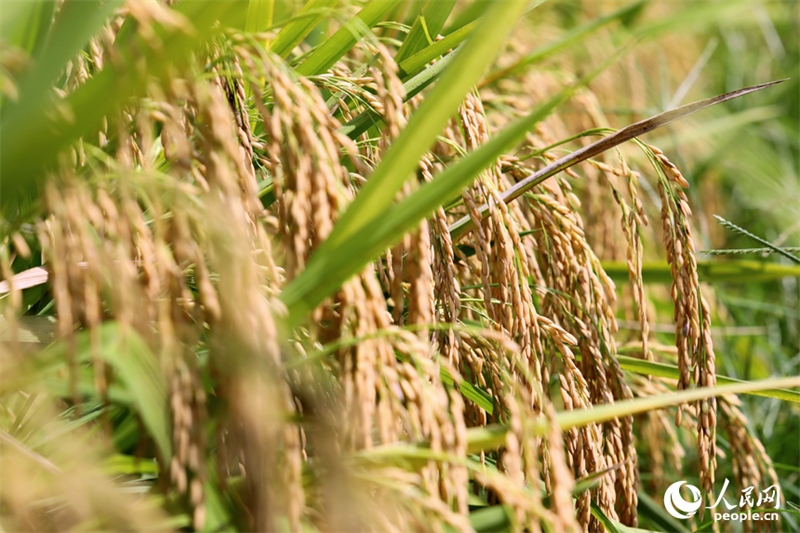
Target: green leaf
260, 14
412, 64
135, 367
601, 517
605, 412
492, 519
76, 23
345, 251
218, 517
480, 397
420, 80
400, 161
26, 24
664, 370
327, 54
64, 427
726, 271
58, 384
301, 25
592, 480
492, 436
126, 465
426, 27
412, 87
42, 128
469, 13
648, 508
327, 271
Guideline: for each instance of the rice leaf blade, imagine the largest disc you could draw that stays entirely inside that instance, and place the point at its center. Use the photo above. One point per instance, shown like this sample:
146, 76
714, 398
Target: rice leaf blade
412, 64
39, 137
727, 271
327, 270
400, 161
26, 24
601, 517
298, 29
412, 87
427, 26
491, 437
260, 14
490, 519
327, 54
138, 368
665, 370
656, 514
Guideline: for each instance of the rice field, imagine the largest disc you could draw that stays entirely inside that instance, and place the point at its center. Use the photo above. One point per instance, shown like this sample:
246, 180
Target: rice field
392, 266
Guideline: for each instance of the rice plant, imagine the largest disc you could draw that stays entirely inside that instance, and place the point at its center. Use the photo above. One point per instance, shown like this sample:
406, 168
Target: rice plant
387, 266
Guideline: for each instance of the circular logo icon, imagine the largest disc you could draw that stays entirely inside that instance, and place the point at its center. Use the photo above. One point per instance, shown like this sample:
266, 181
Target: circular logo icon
677, 506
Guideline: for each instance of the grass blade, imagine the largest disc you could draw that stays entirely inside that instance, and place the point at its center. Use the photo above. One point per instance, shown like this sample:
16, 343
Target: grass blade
145, 387
426, 27
656, 514
412, 87
39, 137
469, 391
401, 159
471, 12
412, 64
260, 14
328, 53
25, 24
603, 413
608, 524
728, 271
77, 22
664, 370
138, 368
492, 436
306, 20
490, 519
328, 270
